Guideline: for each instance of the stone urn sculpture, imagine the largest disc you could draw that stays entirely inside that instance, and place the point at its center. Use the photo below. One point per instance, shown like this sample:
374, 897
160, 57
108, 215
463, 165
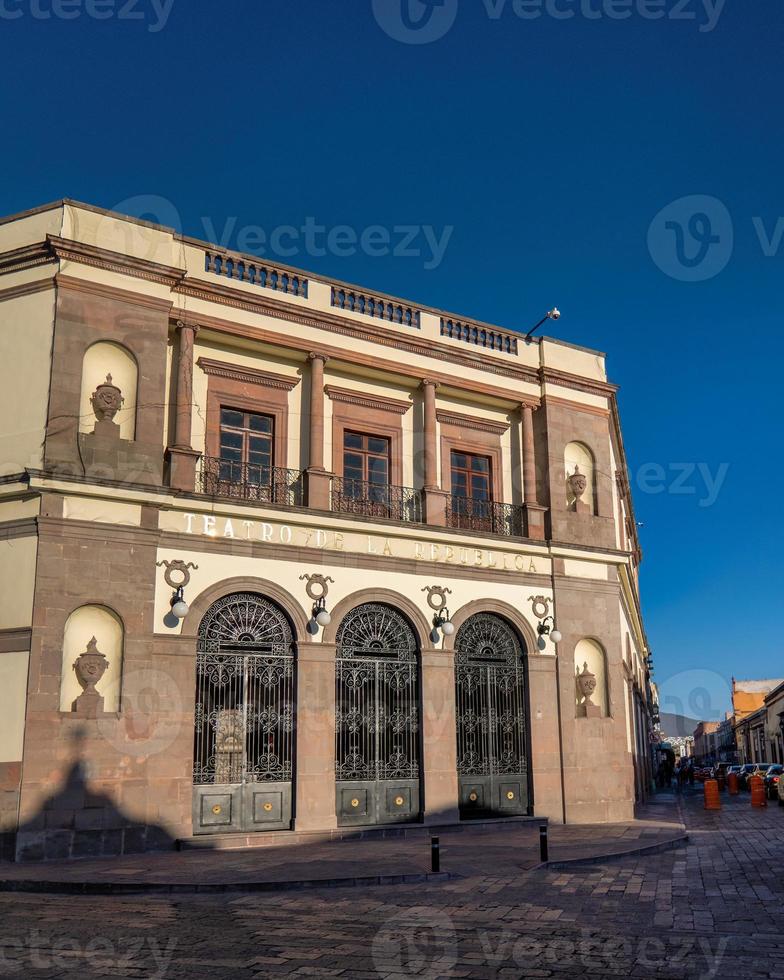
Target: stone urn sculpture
89, 667
107, 400
586, 685
578, 484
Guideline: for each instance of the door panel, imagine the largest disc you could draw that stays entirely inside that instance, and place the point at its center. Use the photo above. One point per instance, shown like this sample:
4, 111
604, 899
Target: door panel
244, 718
491, 715
377, 719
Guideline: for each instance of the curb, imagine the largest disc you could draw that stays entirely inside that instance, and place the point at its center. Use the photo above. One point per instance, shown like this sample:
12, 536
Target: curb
162, 888
658, 848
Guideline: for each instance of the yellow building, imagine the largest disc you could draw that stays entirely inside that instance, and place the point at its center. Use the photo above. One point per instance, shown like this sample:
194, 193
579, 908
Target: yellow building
282, 554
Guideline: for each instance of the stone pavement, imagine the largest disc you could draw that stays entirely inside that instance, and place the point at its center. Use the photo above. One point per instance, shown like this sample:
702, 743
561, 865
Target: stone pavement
478, 850
712, 909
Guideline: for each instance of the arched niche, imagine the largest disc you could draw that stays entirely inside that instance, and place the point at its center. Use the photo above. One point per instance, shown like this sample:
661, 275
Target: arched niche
579, 461
590, 652
101, 360
85, 624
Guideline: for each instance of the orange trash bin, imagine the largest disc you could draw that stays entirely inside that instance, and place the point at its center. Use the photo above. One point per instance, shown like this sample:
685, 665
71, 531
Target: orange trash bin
732, 784
758, 791
711, 791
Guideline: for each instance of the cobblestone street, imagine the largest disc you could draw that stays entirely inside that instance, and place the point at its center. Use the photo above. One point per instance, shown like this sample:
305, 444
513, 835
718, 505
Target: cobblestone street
712, 909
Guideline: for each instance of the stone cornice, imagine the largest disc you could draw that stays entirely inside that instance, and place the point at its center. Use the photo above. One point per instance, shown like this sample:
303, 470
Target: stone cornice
366, 400
102, 258
247, 375
471, 422
27, 288
28, 257
334, 323
75, 284
15, 640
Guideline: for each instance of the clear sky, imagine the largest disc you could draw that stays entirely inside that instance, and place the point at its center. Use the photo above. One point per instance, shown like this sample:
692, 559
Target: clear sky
532, 147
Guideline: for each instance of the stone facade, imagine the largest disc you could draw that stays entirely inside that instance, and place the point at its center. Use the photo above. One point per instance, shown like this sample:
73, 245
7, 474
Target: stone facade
95, 513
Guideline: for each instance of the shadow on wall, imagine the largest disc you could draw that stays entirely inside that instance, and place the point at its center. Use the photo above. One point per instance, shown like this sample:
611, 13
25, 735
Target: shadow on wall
77, 821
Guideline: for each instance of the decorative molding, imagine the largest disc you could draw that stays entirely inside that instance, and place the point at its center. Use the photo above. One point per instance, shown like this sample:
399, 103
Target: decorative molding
603, 413
269, 306
567, 380
366, 400
471, 422
247, 375
73, 284
27, 289
15, 640
102, 258
27, 257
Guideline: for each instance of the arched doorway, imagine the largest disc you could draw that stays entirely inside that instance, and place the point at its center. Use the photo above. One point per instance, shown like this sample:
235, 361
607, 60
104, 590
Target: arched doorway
491, 695
243, 755
377, 738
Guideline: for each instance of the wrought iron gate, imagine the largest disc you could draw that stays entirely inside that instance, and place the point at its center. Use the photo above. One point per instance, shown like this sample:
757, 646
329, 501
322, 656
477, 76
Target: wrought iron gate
244, 718
491, 706
377, 718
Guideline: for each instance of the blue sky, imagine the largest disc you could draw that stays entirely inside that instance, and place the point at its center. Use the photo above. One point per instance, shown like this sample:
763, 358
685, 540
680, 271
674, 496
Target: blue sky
533, 156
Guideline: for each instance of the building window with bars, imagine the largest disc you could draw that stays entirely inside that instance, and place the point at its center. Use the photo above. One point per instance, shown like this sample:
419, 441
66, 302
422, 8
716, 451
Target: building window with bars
472, 490
366, 467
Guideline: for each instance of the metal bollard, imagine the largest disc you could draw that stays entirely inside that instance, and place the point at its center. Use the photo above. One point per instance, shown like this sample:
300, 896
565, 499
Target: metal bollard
543, 843
435, 854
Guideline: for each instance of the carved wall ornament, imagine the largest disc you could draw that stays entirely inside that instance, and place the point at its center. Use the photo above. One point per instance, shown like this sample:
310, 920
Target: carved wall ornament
540, 605
578, 483
436, 596
107, 400
317, 587
89, 666
177, 575
586, 685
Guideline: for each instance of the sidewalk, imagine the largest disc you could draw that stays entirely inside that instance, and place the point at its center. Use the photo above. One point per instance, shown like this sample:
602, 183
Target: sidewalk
465, 853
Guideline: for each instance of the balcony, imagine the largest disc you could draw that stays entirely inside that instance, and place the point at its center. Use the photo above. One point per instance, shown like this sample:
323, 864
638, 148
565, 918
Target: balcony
251, 482
486, 516
377, 500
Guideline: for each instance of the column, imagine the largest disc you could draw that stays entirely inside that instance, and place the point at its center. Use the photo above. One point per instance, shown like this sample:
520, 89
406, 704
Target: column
182, 456
315, 778
434, 497
318, 479
439, 746
534, 512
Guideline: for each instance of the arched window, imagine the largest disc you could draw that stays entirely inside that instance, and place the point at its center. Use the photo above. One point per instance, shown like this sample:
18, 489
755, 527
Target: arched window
92, 630
579, 478
109, 360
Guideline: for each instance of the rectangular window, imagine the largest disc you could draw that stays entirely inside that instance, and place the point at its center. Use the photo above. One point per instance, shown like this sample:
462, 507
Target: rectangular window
246, 447
366, 472
472, 491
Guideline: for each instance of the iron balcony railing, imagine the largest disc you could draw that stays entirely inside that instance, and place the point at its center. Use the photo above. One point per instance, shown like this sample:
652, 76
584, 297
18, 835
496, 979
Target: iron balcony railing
485, 515
377, 500
251, 481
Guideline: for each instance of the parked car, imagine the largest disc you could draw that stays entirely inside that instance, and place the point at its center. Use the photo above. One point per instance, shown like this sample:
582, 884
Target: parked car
721, 769
772, 779
744, 773
780, 788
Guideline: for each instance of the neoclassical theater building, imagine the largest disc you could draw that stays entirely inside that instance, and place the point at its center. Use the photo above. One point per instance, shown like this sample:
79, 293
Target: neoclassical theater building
280, 555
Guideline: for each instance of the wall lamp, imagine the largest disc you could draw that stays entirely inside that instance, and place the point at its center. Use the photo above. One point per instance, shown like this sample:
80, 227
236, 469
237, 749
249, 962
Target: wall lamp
442, 622
553, 314
178, 568
544, 629
317, 588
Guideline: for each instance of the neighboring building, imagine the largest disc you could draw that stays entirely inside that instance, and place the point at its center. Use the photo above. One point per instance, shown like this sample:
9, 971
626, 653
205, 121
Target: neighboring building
774, 708
726, 750
756, 727
705, 741
277, 552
